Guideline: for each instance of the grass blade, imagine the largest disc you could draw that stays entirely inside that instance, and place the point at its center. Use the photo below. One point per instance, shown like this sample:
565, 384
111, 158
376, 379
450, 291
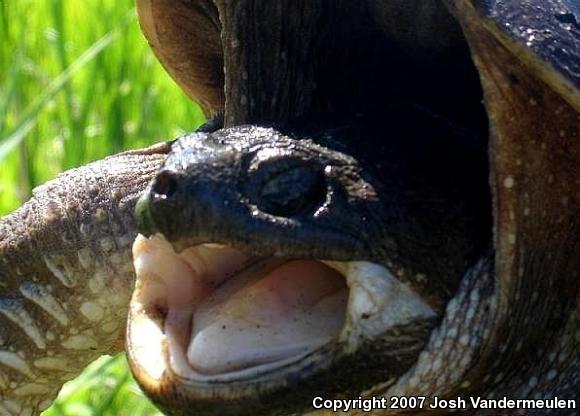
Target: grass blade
28, 120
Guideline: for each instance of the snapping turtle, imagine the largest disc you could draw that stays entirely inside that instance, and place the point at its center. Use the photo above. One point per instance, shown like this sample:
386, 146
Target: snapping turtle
342, 233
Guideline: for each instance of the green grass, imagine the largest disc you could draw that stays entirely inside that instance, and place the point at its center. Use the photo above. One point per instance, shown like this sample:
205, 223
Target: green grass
78, 82
104, 388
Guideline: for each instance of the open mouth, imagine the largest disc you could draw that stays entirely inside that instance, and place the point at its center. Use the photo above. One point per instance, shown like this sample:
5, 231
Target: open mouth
223, 311
214, 314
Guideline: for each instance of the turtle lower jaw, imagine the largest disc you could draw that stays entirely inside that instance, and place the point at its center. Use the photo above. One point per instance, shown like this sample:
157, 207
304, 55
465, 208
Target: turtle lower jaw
230, 325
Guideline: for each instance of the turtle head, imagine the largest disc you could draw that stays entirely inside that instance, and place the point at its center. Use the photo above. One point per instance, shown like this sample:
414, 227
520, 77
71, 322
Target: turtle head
248, 186
269, 260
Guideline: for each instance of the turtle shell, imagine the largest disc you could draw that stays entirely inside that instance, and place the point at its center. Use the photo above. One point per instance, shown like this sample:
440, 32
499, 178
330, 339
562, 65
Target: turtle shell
544, 34
528, 58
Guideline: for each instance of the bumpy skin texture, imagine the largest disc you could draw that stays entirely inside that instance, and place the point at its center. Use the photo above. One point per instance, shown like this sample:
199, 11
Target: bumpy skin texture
66, 276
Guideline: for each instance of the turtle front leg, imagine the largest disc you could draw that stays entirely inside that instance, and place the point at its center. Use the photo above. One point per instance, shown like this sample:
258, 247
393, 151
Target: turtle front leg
66, 276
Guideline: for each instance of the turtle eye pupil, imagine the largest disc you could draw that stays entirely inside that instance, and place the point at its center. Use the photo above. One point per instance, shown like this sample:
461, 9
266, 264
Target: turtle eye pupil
293, 192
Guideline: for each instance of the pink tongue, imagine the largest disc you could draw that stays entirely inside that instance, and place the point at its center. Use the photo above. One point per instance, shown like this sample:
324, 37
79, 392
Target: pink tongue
263, 316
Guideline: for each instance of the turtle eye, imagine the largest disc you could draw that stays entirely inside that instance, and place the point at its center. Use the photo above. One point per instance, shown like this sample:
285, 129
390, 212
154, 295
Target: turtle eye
286, 188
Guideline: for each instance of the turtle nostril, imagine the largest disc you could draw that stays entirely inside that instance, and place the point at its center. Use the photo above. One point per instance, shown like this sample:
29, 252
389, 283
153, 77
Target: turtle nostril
165, 184
297, 191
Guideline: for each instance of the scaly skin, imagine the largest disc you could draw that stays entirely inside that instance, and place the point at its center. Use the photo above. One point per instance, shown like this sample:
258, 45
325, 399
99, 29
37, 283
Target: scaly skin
66, 276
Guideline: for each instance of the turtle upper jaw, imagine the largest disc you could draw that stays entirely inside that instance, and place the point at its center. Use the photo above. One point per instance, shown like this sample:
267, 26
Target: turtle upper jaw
221, 323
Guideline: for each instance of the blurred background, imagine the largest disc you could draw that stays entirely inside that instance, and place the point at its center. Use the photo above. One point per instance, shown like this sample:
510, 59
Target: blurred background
78, 82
